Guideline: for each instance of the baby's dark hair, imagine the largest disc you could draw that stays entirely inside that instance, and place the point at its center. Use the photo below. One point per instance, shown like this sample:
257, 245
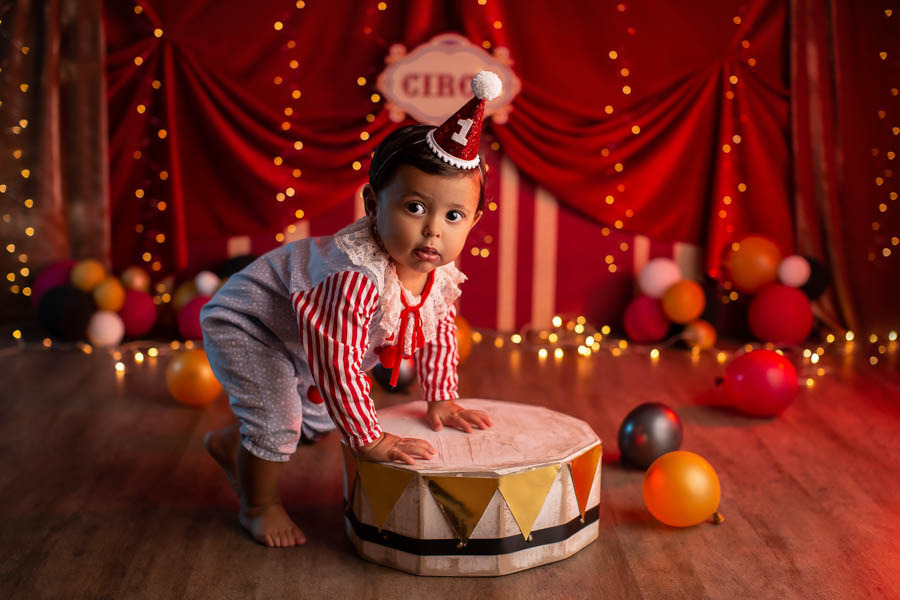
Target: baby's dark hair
407, 146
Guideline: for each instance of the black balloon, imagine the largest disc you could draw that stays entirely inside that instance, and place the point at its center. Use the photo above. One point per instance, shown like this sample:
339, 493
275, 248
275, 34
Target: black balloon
406, 376
233, 265
818, 280
649, 431
64, 312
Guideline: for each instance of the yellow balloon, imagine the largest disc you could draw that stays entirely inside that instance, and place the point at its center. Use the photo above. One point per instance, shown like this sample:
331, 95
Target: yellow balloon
183, 294
700, 334
753, 262
683, 301
681, 489
136, 278
87, 274
463, 337
190, 379
109, 295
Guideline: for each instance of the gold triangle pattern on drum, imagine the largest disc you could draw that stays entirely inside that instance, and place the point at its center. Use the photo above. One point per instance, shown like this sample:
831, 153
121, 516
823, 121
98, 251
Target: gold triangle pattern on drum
349, 471
463, 500
383, 487
525, 494
584, 469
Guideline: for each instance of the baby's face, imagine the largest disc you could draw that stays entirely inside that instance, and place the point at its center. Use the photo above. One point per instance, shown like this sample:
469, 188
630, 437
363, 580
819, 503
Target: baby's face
423, 220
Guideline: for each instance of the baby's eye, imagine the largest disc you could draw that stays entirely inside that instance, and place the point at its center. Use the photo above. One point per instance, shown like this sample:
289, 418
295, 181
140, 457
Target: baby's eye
416, 208
454, 215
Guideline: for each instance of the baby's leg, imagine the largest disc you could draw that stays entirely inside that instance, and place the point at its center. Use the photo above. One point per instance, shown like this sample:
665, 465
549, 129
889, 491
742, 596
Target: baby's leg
222, 445
262, 513
255, 481
262, 386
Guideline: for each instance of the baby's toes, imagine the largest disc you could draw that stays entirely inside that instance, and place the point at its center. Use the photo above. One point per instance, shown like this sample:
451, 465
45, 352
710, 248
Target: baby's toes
299, 538
288, 536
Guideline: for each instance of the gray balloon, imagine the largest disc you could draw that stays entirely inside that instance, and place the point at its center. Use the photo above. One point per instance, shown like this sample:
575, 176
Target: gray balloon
649, 431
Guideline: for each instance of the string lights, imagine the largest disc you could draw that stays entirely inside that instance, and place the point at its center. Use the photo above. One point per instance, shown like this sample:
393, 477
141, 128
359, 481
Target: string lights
574, 335
884, 243
18, 188
153, 177
622, 69
288, 158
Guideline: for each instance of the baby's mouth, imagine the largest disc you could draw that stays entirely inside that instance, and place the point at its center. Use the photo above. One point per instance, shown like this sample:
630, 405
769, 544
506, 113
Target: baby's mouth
427, 253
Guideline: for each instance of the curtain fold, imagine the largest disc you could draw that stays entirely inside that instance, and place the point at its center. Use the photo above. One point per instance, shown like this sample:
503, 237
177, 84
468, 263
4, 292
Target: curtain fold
844, 118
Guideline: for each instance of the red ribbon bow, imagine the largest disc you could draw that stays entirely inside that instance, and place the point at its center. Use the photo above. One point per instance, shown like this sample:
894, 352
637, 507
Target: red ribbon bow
392, 356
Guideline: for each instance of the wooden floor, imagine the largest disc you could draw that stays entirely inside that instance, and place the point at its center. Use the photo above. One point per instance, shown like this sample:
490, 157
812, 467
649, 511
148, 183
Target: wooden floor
106, 492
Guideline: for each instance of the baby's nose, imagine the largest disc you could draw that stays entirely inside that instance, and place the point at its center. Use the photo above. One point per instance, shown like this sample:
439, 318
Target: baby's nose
431, 230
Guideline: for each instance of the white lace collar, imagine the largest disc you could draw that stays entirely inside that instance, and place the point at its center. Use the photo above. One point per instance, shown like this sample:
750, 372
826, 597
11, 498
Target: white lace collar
357, 243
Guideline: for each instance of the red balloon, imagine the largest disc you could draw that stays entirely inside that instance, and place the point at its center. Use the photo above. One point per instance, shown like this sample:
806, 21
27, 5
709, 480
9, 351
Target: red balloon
761, 383
138, 313
53, 275
645, 320
781, 314
189, 318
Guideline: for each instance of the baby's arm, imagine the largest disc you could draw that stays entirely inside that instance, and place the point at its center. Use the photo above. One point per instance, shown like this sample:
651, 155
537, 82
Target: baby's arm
334, 319
436, 367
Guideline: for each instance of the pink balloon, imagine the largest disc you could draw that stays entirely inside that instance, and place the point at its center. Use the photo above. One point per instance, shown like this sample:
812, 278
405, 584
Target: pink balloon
138, 313
645, 320
53, 275
761, 383
780, 314
189, 318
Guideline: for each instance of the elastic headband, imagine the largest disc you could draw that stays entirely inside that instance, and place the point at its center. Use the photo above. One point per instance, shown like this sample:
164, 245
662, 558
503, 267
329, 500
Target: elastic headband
392, 154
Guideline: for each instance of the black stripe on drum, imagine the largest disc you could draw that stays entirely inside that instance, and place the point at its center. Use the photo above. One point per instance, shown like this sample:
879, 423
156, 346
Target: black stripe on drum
475, 547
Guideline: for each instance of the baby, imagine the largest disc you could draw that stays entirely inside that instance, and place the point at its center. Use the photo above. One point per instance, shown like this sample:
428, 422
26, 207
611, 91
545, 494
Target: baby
291, 335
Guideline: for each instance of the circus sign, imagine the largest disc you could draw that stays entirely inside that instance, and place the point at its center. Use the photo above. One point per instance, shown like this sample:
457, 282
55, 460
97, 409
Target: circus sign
434, 80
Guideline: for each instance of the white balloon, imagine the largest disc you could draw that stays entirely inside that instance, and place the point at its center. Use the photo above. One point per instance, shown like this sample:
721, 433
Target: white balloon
206, 283
657, 276
105, 329
794, 271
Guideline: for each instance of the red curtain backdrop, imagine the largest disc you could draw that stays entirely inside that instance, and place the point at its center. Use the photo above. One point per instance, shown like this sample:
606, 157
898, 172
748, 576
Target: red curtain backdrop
671, 120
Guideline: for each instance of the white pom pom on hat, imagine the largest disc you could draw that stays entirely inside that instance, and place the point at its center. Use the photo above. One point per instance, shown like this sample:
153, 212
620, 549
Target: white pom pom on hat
486, 85
456, 140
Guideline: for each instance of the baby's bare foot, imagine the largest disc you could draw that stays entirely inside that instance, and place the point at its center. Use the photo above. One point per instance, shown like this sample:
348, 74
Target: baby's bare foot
271, 526
222, 445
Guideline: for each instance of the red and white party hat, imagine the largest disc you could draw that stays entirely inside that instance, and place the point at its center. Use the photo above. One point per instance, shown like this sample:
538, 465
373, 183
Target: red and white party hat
456, 140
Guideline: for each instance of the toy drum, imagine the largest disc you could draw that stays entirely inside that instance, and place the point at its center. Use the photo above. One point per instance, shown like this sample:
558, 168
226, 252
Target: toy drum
523, 493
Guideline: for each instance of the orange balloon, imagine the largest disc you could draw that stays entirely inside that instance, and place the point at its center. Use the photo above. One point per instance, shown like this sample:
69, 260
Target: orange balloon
136, 278
681, 489
186, 292
700, 334
109, 295
683, 301
87, 274
463, 337
753, 262
190, 379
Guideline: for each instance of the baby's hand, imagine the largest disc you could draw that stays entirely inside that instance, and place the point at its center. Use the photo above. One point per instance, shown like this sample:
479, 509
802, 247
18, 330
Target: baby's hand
389, 447
446, 412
